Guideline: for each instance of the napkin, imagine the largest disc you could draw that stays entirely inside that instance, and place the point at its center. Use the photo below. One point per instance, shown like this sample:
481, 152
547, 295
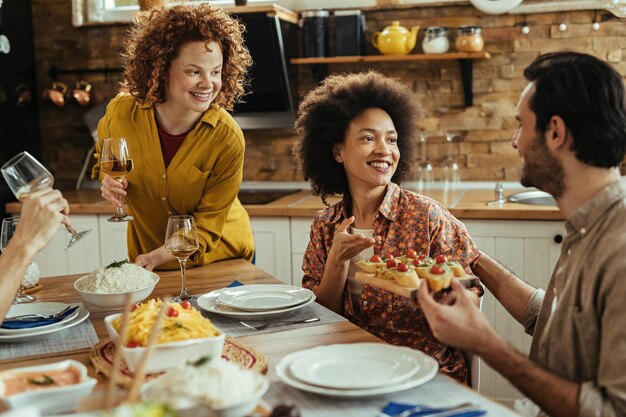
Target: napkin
235, 283
18, 324
392, 408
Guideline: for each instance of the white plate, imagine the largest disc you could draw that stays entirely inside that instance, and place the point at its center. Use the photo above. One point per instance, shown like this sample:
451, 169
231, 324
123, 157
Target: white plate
209, 302
83, 313
39, 308
355, 366
267, 297
427, 370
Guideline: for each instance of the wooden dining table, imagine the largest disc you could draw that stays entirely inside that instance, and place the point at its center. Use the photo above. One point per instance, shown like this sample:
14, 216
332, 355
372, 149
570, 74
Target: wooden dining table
274, 345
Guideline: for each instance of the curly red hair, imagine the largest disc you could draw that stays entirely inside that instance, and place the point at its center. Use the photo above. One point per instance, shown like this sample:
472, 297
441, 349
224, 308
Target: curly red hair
155, 39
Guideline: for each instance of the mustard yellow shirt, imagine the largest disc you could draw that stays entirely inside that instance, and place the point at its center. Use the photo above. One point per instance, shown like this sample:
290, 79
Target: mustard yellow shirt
202, 180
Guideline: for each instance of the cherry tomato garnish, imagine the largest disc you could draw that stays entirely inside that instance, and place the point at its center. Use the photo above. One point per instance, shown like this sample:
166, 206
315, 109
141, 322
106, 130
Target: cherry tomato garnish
403, 267
441, 259
417, 262
375, 258
411, 254
437, 270
389, 257
391, 263
186, 305
421, 257
172, 312
133, 344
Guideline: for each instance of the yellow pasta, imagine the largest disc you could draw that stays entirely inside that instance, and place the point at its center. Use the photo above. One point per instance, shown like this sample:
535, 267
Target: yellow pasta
179, 323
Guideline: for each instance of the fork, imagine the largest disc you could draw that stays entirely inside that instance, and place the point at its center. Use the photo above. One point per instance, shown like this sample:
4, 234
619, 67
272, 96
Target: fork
439, 411
278, 323
37, 316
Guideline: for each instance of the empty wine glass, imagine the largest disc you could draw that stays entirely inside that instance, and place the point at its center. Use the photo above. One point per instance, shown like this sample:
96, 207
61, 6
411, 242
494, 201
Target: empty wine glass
450, 168
25, 175
423, 167
116, 162
181, 240
6, 233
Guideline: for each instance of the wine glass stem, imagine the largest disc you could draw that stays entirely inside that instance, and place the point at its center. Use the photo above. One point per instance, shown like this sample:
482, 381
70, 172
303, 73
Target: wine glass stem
184, 295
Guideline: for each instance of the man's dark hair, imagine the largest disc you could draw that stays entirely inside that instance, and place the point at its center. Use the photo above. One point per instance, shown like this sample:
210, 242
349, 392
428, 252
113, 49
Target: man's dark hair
588, 94
326, 112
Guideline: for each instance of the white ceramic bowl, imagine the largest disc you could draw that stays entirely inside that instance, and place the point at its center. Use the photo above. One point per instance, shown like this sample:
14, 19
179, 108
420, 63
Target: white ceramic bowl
115, 300
190, 408
168, 355
50, 400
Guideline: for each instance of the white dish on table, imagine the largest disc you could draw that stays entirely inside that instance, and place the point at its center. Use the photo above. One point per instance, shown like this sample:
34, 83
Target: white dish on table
264, 297
346, 366
83, 313
46, 308
53, 399
428, 368
115, 300
167, 355
210, 303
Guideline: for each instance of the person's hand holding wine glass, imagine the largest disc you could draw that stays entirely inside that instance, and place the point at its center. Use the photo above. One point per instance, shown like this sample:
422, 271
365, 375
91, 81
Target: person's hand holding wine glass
181, 240
115, 162
25, 175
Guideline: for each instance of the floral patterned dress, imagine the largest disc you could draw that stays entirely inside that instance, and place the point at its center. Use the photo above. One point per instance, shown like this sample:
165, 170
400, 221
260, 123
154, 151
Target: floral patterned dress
404, 220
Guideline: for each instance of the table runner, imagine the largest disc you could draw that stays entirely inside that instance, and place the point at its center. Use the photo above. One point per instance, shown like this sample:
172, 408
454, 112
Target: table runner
81, 336
232, 327
440, 391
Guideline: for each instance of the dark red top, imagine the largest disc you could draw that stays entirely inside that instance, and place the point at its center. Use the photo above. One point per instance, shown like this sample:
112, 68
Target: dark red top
170, 144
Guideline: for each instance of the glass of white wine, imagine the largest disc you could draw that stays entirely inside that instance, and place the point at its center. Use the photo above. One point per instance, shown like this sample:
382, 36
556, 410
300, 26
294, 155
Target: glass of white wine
181, 240
115, 161
25, 175
6, 233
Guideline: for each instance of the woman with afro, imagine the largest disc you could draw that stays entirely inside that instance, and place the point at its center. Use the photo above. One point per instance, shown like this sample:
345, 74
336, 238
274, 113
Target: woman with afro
356, 134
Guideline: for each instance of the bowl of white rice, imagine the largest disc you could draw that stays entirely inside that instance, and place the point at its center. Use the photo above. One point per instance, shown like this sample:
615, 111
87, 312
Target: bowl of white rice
107, 286
217, 389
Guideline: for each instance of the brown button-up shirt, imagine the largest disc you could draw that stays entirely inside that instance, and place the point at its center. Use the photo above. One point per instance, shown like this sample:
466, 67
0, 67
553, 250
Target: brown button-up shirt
580, 327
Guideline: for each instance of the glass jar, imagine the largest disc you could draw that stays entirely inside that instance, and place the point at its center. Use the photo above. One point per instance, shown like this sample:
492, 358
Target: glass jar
469, 39
436, 40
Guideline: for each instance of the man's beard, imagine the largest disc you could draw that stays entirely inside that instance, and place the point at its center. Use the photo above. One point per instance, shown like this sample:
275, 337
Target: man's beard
541, 169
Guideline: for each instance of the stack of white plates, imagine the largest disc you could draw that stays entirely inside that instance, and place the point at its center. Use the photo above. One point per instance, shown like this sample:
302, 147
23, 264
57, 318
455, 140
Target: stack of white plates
45, 308
357, 369
259, 301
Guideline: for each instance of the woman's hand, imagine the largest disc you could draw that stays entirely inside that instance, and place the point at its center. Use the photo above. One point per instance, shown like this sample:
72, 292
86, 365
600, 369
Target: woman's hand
346, 246
113, 191
151, 260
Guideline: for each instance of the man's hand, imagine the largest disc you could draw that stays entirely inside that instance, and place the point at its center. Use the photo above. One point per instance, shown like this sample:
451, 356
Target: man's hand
113, 191
42, 214
458, 322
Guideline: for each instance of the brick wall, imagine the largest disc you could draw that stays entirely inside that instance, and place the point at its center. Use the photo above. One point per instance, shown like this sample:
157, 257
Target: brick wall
483, 132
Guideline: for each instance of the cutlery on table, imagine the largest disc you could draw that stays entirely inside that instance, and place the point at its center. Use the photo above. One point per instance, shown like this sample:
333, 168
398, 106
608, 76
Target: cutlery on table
277, 323
454, 410
37, 316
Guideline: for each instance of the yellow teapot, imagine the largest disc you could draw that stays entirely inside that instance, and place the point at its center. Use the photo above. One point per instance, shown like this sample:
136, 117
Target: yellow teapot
395, 39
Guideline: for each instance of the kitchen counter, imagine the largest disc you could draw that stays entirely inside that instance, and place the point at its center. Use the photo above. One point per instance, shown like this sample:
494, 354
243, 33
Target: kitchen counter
464, 204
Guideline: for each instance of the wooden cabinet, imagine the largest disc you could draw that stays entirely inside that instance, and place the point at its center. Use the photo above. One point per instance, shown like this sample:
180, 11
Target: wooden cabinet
530, 249
272, 245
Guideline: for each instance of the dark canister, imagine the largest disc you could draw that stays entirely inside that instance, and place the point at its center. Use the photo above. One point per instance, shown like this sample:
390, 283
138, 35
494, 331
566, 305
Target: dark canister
315, 28
349, 27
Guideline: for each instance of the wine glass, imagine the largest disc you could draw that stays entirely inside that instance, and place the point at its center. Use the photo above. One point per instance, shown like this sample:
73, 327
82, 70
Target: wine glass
116, 162
423, 167
25, 175
450, 168
181, 240
8, 229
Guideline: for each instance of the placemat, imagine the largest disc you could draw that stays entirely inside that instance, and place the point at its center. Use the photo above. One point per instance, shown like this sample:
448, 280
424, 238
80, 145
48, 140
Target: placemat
102, 355
81, 336
232, 327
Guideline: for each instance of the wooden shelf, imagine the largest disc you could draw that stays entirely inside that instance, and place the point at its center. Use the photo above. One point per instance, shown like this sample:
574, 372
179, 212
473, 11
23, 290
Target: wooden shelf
319, 66
390, 58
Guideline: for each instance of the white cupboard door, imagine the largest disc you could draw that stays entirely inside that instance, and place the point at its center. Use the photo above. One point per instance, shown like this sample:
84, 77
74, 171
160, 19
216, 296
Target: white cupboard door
300, 236
81, 258
272, 246
113, 242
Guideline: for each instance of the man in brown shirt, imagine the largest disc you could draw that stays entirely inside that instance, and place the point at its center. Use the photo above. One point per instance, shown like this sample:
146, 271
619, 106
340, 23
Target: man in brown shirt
572, 138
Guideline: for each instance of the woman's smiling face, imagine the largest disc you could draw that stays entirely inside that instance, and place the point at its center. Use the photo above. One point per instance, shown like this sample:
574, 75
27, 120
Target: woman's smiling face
369, 152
